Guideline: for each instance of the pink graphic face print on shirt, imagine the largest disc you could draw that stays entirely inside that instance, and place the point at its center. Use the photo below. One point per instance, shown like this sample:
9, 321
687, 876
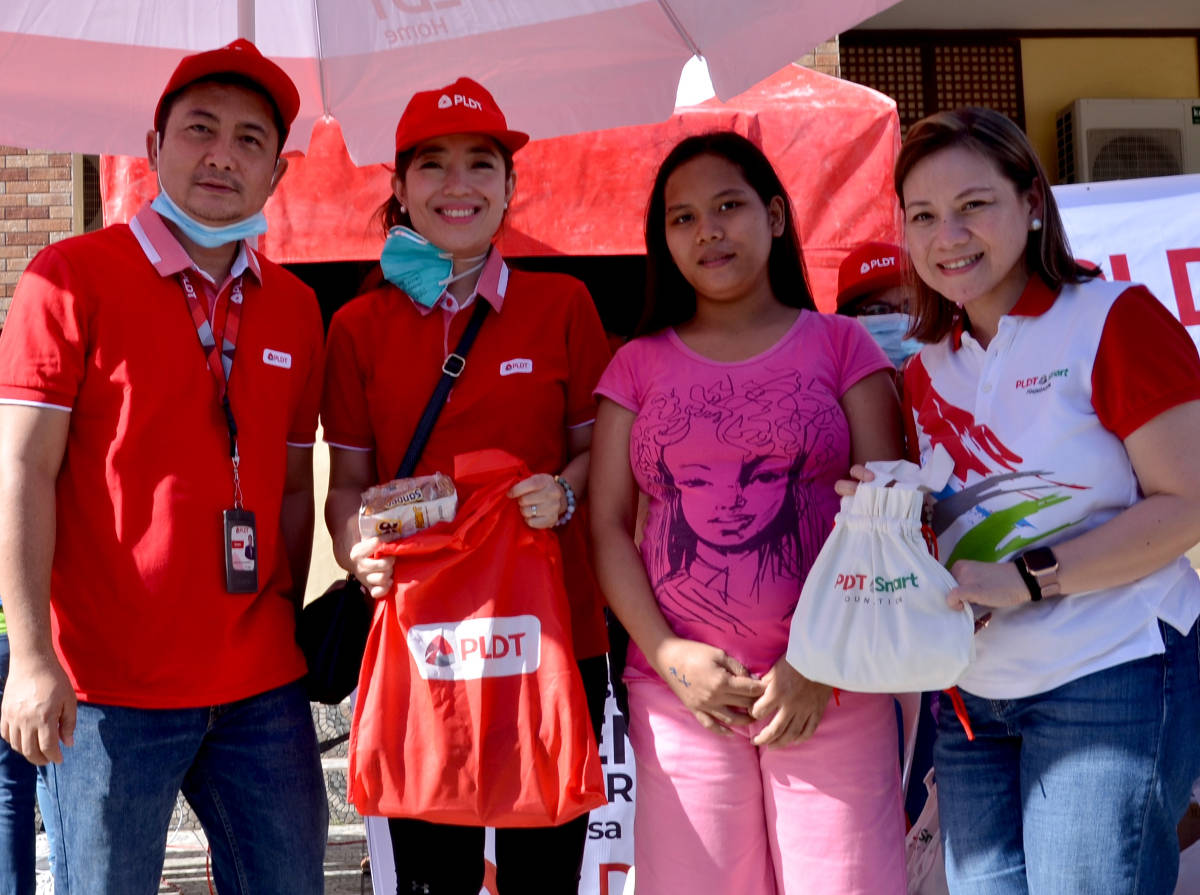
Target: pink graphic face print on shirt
738, 528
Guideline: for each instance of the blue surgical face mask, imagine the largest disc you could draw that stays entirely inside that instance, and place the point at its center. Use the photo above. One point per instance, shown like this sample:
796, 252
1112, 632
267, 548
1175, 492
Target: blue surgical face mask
203, 234
888, 332
421, 269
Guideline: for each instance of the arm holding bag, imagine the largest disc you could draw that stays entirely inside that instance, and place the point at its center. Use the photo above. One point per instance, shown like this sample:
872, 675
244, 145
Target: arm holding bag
872, 615
470, 709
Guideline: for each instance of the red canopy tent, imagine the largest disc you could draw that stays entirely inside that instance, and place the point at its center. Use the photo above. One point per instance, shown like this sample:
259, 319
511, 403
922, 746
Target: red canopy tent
833, 142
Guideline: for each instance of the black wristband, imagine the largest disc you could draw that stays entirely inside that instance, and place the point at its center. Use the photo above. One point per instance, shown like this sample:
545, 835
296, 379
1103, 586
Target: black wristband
1035, 589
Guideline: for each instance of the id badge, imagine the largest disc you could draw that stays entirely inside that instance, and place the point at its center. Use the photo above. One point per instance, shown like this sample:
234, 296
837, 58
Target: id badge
241, 552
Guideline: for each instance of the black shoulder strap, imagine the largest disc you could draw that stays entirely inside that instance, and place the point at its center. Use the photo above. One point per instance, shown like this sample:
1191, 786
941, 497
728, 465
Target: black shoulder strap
452, 368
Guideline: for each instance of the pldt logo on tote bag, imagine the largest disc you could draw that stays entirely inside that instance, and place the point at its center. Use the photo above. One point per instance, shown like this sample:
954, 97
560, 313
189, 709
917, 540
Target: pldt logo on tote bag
476, 648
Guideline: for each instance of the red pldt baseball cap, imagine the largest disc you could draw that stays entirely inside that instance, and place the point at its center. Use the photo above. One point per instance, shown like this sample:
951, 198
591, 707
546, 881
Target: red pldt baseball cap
868, 268
463, 107
238, 58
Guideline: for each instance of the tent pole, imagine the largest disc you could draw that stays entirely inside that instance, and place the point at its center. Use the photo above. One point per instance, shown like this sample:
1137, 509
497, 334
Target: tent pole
245, 19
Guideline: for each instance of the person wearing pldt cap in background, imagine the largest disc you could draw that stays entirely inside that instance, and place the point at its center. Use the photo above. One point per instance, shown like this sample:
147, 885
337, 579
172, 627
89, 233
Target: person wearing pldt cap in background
526, 389
873, 288
135, 457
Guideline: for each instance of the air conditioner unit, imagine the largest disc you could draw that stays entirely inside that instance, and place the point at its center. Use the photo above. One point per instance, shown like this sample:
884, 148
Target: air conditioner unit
1118, 139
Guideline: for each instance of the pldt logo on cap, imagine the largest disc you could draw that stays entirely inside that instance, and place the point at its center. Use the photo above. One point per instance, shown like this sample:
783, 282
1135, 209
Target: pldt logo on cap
445, 102
476, 648
886, 261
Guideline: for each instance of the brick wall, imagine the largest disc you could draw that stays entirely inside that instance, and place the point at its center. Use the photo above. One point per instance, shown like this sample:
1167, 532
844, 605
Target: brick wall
825, 59
35, 210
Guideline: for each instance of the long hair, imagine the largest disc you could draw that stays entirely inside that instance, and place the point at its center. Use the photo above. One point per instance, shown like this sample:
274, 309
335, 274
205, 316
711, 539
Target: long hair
392, 214
995, 137
670, 298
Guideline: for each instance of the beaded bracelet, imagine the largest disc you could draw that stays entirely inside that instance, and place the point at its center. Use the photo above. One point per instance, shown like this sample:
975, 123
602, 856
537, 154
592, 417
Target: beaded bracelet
570, 492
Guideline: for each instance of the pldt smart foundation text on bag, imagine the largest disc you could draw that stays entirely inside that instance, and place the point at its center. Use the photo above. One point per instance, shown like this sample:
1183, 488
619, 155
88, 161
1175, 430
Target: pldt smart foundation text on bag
872, 615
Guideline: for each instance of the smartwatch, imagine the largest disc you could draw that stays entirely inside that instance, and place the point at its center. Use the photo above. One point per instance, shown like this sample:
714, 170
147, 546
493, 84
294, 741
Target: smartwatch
1039, 570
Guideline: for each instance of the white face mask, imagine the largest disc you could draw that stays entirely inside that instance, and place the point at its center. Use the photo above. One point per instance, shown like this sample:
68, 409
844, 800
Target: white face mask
888, 332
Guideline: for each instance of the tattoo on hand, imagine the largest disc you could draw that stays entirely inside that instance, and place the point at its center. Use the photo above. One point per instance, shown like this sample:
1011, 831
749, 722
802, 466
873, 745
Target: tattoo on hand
682, 679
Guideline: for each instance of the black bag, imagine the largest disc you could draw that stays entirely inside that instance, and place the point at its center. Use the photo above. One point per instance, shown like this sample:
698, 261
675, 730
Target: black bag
332, 633
332, 629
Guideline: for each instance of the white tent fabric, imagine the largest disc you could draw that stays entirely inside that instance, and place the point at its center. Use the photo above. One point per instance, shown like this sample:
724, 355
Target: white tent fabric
83, 75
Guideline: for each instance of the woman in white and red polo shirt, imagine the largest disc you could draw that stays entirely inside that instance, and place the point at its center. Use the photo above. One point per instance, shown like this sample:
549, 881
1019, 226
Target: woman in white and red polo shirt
526, 389
1071, 407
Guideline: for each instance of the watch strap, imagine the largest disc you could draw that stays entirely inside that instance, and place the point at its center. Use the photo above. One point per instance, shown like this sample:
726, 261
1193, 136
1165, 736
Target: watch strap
1035, 589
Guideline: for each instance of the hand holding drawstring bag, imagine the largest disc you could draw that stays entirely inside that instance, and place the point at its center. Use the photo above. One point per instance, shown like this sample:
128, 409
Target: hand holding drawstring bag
872, 615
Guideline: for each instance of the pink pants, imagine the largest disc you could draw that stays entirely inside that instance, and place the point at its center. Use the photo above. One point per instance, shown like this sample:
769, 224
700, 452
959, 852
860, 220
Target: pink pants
718, 814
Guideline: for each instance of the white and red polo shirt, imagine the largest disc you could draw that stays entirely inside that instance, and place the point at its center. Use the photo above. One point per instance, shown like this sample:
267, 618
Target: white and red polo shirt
99, 327
1035, 423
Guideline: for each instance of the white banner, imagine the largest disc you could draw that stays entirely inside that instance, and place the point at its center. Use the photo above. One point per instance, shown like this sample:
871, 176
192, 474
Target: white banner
1146, 231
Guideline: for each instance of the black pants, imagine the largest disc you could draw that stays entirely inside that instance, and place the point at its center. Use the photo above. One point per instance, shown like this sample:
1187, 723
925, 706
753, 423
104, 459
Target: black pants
443, 859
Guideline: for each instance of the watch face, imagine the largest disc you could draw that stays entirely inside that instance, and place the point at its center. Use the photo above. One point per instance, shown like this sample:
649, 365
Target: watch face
1040, 559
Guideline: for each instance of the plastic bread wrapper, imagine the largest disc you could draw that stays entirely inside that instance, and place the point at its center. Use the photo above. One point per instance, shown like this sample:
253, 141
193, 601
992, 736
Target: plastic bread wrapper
403, 507
931, 477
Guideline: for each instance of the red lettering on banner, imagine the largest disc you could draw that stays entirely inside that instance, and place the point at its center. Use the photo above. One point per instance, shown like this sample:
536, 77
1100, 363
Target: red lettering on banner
1119, 264
468, 646
414, 7
516, 640
606, 870
1178, 261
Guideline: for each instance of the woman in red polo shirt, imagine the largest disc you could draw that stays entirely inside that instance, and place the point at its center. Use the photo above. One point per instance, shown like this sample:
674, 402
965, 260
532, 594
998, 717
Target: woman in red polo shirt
527, 389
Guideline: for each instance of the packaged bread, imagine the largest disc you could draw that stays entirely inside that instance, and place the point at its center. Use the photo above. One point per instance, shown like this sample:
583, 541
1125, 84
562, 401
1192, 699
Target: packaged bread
402, 507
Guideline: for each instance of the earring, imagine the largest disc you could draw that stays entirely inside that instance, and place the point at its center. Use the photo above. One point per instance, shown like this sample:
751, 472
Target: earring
403, 210
1035, 224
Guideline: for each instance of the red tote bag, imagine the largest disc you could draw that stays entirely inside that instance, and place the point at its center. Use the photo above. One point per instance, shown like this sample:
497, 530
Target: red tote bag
470, 709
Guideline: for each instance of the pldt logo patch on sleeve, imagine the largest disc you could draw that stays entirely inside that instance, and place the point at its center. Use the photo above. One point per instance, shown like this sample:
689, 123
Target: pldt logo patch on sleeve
476, 648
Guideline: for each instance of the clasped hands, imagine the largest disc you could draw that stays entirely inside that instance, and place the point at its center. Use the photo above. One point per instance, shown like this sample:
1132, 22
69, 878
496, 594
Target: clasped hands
722, 693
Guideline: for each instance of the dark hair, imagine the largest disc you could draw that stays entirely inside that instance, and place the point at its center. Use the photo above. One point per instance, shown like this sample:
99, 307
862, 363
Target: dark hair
670, 298
389, 214
995, 137
230, 79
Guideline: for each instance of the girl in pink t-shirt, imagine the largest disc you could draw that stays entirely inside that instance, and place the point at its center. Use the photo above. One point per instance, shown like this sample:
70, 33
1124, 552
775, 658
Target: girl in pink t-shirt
734, 413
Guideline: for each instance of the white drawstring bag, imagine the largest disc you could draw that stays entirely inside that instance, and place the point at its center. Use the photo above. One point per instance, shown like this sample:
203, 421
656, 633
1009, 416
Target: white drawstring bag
872, 616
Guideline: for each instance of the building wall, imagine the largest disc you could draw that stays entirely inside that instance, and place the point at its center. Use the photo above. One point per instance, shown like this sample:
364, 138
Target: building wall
35, 210
824, 58
1057, 71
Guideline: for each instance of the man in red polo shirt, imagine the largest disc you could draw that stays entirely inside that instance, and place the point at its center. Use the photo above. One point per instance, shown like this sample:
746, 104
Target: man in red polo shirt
159, 386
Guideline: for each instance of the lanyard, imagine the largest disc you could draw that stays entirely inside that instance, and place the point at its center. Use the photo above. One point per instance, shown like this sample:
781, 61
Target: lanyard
220, 360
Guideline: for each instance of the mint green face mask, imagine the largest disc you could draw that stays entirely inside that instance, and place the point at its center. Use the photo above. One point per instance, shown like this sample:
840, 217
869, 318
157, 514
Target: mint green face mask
416, 265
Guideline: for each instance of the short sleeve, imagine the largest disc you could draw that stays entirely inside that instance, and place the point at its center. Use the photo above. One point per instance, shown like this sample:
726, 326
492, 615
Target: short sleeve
857, 354
1146, 363
302, 432
587, 356
344, 415
43, 348
620, 382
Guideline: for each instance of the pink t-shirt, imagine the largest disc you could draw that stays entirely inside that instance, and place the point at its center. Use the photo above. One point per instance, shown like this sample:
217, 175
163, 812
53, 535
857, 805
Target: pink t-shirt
738, 462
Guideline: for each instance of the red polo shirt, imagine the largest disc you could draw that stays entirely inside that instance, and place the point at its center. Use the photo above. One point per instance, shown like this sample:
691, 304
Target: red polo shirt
99, 328
529, 378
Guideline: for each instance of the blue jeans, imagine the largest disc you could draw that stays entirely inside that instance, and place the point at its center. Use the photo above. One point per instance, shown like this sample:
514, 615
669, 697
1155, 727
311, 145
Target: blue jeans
249, 769
1077, 790
18, 839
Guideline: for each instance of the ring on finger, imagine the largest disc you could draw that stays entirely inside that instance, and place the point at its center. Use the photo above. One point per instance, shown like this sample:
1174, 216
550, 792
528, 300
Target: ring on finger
533, 511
